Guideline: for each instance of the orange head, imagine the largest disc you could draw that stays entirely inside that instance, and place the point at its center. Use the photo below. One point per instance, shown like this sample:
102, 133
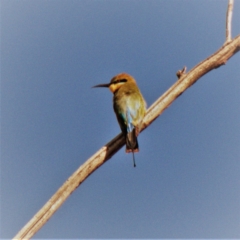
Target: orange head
117, 82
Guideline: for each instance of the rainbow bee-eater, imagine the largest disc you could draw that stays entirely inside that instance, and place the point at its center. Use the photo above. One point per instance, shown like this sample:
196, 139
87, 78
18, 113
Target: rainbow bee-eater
129, 107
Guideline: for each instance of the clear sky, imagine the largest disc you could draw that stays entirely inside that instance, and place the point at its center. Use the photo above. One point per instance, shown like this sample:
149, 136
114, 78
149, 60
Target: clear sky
186, 183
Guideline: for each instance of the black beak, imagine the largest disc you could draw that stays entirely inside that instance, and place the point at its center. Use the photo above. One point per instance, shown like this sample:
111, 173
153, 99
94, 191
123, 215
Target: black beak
102, 85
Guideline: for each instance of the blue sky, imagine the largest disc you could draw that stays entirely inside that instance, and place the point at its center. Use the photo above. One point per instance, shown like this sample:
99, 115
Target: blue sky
186, 183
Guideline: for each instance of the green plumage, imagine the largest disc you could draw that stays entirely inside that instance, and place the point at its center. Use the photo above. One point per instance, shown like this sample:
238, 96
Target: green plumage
129, 107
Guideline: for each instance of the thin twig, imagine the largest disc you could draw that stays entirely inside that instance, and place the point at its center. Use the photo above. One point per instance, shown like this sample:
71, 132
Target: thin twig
229, 21
181, 73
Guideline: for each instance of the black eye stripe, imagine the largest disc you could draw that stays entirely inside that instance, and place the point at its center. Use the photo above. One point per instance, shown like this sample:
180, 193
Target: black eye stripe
123, 80
119, 80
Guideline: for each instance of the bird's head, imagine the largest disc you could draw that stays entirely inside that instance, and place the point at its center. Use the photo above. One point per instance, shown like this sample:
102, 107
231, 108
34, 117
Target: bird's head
117, 82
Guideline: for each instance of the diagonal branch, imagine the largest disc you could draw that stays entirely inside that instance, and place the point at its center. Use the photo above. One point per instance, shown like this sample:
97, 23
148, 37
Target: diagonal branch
185, 80
106, 152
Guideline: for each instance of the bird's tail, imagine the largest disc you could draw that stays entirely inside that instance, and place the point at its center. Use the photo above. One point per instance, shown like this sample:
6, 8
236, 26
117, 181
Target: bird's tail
131, 142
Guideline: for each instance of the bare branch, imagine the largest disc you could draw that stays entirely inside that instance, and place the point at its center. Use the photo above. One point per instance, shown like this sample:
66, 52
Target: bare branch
84, 171
229, 21
216, 60
185, 80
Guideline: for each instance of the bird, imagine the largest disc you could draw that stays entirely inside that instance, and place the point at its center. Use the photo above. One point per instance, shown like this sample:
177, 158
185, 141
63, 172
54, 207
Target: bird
129, 107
